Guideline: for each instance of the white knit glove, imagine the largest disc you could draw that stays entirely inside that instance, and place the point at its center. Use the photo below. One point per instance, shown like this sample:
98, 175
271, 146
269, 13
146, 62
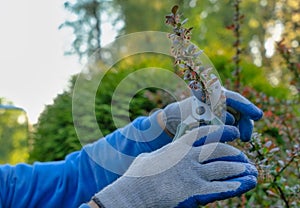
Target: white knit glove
183, 175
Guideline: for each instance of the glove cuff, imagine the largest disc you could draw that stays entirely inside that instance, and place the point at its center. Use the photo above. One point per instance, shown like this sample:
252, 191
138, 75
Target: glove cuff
98, 202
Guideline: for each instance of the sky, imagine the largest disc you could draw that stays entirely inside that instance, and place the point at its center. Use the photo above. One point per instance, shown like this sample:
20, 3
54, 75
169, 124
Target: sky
33, 68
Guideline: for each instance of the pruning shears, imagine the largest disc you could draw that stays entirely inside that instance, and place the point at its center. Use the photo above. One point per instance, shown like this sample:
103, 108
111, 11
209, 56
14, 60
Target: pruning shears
208, 105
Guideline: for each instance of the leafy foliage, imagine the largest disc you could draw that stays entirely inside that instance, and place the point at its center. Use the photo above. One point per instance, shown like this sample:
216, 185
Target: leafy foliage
85, 21
14, 135
55, 134
276, 144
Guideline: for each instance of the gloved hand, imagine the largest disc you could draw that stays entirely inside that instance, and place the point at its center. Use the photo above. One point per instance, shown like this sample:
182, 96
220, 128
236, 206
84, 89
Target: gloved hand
181, 174
175, 113
247, 111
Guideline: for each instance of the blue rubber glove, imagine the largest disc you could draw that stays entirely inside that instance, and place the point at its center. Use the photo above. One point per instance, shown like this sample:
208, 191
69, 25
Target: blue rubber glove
247, 113
175, 113
181, 174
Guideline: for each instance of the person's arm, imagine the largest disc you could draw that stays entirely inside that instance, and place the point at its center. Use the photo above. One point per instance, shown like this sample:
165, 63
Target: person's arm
47, 184
70, 182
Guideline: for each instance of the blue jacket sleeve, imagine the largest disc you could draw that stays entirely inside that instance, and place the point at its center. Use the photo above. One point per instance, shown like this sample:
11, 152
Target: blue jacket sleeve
76, 179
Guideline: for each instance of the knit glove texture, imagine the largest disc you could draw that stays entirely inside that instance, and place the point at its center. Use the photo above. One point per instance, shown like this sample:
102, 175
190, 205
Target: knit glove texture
183, 174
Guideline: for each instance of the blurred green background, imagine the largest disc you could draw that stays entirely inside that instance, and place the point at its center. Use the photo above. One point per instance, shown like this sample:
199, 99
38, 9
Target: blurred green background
258, 38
